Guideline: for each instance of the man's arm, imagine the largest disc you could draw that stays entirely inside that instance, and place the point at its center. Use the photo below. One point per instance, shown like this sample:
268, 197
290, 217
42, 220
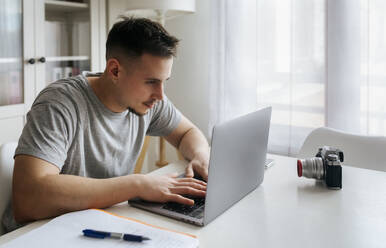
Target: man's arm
39, 191
193, 146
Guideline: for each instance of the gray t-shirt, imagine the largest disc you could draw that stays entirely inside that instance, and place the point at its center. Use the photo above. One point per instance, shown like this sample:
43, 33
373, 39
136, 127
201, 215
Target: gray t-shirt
70, 127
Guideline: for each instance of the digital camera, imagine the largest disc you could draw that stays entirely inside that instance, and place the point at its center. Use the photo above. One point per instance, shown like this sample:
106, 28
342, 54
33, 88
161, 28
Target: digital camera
326, 165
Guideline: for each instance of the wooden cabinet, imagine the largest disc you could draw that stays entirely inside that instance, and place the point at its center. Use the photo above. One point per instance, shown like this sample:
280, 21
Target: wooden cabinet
42, 41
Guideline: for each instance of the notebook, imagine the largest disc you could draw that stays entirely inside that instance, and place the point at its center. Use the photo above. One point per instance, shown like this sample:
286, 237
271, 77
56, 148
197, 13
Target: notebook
66, 231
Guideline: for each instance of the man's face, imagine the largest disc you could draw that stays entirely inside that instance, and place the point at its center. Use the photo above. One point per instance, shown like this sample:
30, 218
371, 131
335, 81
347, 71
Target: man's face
141, 82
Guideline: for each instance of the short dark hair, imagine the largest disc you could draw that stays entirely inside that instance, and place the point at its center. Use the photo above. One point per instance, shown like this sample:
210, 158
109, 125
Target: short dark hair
133, 37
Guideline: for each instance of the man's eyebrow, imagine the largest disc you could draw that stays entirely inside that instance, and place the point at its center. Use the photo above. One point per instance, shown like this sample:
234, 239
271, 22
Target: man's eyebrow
155, 79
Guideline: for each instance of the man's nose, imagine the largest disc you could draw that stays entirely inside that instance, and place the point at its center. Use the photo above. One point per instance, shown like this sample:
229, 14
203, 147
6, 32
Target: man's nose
159, 91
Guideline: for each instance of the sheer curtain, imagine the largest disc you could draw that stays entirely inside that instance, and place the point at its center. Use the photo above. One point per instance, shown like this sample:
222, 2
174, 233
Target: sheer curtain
270, 52
316, 62
373, 67
233, 66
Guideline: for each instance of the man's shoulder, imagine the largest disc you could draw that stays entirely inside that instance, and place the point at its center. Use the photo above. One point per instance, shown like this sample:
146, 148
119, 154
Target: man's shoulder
68, 92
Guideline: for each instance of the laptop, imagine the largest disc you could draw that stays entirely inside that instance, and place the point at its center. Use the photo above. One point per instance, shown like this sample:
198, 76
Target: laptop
236, 167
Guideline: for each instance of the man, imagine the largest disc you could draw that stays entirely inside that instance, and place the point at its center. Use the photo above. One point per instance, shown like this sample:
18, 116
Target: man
83, 134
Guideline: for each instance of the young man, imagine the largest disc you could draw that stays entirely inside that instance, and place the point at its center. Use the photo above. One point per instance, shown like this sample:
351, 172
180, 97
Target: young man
83, 134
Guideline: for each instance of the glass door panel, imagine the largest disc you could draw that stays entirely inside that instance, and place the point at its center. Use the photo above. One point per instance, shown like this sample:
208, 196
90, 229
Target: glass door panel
11, 52
67, 39
56, 70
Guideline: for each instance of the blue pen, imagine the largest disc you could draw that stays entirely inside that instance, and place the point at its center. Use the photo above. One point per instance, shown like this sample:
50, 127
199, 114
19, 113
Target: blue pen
102, 234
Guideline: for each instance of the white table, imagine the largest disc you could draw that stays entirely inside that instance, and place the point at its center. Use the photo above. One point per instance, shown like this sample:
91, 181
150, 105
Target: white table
286, 211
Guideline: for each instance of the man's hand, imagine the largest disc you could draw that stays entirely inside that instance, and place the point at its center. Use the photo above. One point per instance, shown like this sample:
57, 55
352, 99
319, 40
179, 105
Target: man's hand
199, 164
169, 188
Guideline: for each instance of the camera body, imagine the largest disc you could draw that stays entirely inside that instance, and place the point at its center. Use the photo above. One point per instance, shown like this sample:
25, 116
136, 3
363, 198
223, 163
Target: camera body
326, 165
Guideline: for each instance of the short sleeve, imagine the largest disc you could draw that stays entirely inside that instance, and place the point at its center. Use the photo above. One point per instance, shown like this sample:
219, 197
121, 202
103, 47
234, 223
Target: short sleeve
164, 118
47, 134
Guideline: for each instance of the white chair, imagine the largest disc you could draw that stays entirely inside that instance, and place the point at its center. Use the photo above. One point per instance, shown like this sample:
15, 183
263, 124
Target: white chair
7, 151
367, 152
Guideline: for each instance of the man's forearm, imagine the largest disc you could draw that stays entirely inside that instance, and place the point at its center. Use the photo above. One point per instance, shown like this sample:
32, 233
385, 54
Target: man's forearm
53, 195
194, 144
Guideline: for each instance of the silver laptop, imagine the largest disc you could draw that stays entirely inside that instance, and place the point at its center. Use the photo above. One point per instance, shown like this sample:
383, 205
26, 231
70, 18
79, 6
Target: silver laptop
237, 158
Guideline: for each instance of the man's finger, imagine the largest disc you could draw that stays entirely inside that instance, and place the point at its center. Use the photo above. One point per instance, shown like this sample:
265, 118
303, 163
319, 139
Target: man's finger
191, 180
191, 184
189, 171
185, 190
180, 199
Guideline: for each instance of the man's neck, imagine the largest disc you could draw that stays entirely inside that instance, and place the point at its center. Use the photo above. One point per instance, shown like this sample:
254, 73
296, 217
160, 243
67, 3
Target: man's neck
105, 91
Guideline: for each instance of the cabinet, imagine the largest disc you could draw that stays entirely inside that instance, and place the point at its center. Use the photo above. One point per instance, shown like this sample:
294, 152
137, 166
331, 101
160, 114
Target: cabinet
42, 41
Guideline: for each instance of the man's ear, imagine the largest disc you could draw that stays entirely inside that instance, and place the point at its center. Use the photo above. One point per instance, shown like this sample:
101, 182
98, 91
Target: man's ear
115, 71
112, 66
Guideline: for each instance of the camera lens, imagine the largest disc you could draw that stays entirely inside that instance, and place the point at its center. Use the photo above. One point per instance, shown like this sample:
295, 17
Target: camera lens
300, 168
311, 168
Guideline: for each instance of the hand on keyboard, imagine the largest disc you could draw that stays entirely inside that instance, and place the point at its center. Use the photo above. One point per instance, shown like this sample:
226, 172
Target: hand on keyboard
170, 189
199, 165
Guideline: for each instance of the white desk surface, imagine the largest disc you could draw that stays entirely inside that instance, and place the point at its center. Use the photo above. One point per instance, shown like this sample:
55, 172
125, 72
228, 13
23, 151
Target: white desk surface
285, 211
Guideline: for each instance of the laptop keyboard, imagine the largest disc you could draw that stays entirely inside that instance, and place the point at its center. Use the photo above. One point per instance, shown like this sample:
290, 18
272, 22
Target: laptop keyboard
193, 211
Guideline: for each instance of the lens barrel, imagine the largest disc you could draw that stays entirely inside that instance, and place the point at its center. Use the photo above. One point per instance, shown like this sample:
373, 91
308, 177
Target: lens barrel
311, 168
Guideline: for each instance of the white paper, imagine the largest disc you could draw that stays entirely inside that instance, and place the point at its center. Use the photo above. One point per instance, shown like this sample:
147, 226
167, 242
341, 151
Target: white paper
66, 231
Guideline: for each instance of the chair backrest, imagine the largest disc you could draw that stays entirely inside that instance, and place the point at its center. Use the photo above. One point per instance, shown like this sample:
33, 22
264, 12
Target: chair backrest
367, 152
7, 151
141, 158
